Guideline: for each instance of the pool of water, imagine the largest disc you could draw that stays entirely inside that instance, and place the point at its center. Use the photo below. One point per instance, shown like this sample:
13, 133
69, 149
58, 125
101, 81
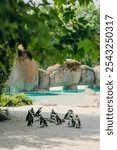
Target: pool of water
40, 93
54, 92
97, 90
57, 92
68, 91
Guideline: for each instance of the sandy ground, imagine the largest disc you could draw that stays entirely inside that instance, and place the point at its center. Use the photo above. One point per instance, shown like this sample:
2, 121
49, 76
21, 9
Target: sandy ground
15, 135
69, 99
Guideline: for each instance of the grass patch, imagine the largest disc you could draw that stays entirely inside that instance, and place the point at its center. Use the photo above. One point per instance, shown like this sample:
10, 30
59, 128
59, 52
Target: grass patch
15, 100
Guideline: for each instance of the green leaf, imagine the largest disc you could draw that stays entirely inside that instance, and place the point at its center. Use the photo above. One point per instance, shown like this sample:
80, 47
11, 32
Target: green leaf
59, 2
87, 45
82, 2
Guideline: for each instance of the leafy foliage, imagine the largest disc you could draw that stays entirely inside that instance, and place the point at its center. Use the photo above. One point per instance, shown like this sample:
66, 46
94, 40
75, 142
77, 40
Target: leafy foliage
51, 33
20, 23
16, 100
78, 34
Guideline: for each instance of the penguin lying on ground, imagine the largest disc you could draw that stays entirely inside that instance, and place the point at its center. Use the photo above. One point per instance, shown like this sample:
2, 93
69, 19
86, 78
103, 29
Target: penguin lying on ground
4, 114
53, 115
55, 118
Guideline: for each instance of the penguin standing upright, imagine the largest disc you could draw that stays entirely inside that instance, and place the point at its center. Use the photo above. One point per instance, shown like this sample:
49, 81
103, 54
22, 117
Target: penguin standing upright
29, 118
77, 122
32, 111
71, 121
70, 117
68, 112
38, 112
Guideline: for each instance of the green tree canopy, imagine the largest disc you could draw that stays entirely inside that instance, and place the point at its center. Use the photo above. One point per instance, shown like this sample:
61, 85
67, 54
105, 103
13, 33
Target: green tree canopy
51, 32
78, 34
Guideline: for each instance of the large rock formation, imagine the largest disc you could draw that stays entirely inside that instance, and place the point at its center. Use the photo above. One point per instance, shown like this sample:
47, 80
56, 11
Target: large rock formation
24, 76
67, 75
87, 76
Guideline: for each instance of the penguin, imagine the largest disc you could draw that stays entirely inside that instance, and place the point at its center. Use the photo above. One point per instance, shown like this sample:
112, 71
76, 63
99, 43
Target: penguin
55, 117
42, 121
70, 117
32, 110
77, 122
58, 120
66, 115
71, 120
29, 118
69, 112
38, 112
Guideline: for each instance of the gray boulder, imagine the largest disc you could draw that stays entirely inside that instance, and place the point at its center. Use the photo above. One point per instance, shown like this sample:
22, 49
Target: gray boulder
87, 75
67, 74
97, 75
24, 76
43, 83
56, 75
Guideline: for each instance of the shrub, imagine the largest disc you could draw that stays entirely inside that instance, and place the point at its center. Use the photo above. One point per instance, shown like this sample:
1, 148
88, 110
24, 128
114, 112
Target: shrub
15, 100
